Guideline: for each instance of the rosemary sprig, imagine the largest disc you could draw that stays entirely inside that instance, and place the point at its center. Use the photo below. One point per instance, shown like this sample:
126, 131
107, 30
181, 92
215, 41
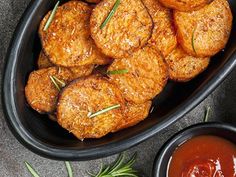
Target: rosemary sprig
206, 118
51, 16
31, 170
91, 115
62, 83
69, 169
117, 3
121, 71
193, 41
119, 168
57, 82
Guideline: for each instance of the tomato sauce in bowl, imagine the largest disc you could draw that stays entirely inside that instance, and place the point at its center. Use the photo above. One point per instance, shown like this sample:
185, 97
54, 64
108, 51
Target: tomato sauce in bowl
204, 156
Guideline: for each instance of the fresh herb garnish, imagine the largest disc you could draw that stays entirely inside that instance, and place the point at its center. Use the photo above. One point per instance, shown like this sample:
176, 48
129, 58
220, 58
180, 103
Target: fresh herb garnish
62, 83
31, 170
110, 14
51, 16
122, 71
57, 82
206, 118
119, 168
91, 115
69, 169
193, 41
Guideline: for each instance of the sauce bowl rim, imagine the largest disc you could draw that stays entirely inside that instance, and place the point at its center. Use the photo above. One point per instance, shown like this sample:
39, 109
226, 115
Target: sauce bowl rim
170, 143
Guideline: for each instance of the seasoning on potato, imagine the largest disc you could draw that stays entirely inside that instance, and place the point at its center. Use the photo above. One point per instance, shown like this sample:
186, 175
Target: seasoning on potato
185, 5
134, 113
120, 27
205, 32
67, 41
76, 72
43, 87
163, 35
90, 107
146, 77
183, 67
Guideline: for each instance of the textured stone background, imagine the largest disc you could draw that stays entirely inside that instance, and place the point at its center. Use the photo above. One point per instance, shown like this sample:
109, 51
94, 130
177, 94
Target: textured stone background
12, 154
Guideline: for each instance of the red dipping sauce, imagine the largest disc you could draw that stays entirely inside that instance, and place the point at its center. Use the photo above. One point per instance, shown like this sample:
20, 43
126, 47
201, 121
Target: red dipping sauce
204, 156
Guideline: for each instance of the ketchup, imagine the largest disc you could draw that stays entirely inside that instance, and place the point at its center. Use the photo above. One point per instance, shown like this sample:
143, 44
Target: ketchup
204, 156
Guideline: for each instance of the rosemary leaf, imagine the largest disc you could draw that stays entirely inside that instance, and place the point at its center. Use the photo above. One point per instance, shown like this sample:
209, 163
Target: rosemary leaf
193, 41
62, 83
206, 118
31, 170
118, 163
55, 83
51, 16
100, 171
117, 3
91, 174
69, 169
122, 71
119, 168
104, 110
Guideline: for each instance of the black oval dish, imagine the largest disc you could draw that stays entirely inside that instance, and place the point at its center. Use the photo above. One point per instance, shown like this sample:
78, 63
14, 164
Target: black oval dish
217, 129
46, 138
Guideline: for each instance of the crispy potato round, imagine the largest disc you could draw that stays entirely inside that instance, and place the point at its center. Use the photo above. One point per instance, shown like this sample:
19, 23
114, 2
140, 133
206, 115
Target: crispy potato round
147, 75
76, 72
85, 96
127, 30
67, 41
163, 35
185, 5
204, 32
43, 61
134, 113
183, 67
40, 91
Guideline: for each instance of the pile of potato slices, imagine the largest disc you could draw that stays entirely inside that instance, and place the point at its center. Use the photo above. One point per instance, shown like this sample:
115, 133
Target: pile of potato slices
102, 62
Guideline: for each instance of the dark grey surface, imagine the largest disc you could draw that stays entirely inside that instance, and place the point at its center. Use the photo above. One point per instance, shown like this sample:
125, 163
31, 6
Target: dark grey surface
12, 154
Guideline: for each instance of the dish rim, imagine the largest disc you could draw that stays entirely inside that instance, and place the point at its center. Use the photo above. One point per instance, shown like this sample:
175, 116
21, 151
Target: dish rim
184, 133
40, 148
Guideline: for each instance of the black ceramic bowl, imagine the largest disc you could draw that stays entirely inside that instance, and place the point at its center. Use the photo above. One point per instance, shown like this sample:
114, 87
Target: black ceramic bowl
216, 129
46, 138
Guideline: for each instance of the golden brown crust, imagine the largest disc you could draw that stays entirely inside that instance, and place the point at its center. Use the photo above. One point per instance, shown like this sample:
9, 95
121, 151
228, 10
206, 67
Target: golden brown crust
79, 71
206, 30
43, 61
102, 60
147, 75
185, 5
183, 67
134, 113
129, 28
163, 35
67, 41
85, 96
40, 92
